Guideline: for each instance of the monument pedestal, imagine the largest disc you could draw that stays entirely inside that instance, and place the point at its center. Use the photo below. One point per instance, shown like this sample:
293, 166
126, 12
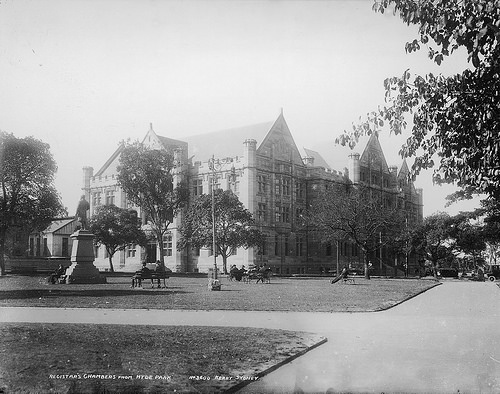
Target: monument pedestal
82, 268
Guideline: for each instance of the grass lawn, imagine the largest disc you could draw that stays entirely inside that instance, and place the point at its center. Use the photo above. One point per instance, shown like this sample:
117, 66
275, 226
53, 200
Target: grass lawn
282, 294
86, 358
101, 358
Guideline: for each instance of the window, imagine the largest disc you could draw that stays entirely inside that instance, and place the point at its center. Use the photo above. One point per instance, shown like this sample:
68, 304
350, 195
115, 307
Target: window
299, 190
282, 213
216, 184
96, 200
131, 250
277, 186
110, 197
299, 246
286, 214
234, 187
298, 214
286, 246
263, 248
286, 186
197, 187
261, 212
262, 182
277, 249
167, 245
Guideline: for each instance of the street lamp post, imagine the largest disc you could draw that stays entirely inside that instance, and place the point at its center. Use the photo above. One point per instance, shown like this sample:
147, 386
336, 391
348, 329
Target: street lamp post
215, 165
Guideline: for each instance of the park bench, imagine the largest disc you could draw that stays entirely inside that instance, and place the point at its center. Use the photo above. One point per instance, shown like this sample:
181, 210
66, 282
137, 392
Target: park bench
157, 276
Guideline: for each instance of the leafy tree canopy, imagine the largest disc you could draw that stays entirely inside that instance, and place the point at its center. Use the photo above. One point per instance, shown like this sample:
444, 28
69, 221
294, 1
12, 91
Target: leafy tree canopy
234, 225
28, 198
146, 175
115, 228
355, 213
433, 239
455, 119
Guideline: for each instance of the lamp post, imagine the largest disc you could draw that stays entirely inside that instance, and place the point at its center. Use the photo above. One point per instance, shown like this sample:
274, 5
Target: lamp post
215, 165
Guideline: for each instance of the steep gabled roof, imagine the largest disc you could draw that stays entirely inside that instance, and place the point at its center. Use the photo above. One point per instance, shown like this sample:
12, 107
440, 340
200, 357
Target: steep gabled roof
373, 154
280, 143
225, 143
318, 159
404, 171
110, 160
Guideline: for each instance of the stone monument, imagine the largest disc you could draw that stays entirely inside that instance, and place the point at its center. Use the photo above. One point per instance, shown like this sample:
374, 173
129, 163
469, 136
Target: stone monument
82, 268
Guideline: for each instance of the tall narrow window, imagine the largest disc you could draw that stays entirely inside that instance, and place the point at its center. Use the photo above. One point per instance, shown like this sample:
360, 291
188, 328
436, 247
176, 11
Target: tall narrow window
261, 181
261, 212
131, 250
197, 187
286, 186
167, 245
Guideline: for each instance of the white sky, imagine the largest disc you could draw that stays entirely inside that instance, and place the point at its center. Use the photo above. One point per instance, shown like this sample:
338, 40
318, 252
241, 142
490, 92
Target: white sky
83, 75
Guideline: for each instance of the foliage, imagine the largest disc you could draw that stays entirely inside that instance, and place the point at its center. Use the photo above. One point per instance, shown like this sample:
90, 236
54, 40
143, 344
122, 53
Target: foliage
468, 236
354, 213
28, 199
455, 119
233, 225
433, 239
146, 176
489, 213
115, 228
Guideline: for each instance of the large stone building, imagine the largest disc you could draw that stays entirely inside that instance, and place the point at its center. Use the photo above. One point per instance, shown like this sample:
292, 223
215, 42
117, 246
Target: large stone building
262, 165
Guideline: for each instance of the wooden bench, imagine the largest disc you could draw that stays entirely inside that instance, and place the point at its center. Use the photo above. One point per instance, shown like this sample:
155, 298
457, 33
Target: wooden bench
153, 275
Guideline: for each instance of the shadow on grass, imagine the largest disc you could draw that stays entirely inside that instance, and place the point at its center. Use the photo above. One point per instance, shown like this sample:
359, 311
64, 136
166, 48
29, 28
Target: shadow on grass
37, 293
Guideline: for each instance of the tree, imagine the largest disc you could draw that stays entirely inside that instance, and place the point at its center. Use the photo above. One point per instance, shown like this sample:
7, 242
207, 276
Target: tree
432, 238
233, 225
489, 213
455, 119
28, 198
357, 214
469, 237
115, 228
146, 176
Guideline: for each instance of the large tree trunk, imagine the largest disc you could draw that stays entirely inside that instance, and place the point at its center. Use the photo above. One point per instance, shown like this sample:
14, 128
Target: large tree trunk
159, 240
111, 269
224, 263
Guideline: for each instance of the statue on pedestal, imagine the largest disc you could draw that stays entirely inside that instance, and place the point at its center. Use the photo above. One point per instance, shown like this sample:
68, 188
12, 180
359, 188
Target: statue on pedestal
81, 212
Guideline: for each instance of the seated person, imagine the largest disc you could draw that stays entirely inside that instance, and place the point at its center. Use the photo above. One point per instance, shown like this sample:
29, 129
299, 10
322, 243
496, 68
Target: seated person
144, 272
160, 266
60, 271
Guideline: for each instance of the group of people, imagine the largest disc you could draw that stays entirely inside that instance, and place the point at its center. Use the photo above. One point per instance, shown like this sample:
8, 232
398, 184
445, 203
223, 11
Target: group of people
237, 273
146, 273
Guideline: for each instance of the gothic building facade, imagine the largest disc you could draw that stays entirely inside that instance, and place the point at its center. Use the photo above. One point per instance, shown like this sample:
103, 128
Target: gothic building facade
275, 181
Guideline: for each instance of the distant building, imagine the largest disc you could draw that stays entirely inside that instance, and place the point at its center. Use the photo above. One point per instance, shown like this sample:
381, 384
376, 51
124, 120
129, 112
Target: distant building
54, 241
262, 165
